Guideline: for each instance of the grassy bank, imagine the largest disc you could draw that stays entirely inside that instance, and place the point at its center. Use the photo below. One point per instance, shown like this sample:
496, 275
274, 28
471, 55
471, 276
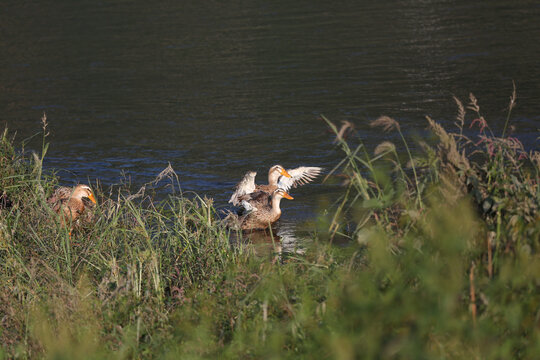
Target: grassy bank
442, 262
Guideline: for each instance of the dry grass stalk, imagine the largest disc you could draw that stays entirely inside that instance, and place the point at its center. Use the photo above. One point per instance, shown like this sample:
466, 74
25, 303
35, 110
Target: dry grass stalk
453, 188
448, 149
490, 238
168, 172
5, 202
472, 293
384, 147
473, 105
138, 194
386, 122
461, 114
513, 97
346, 128
44, 125
535, 158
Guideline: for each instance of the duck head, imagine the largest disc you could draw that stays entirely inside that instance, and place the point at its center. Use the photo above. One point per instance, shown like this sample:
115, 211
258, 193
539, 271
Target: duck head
275, 172
83, 191
280, 193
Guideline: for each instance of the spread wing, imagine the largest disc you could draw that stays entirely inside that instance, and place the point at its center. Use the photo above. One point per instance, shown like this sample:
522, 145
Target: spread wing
299, 176
245, 186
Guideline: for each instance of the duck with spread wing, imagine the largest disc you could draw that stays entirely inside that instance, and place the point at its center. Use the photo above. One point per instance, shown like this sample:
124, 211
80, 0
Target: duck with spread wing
278, 177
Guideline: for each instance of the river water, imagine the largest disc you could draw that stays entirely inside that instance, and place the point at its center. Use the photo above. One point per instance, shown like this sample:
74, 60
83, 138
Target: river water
219, 88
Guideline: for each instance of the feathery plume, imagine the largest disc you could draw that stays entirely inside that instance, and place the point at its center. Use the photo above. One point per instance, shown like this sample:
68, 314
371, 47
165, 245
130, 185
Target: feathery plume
461, 113
345, 129
386, 122
384, 147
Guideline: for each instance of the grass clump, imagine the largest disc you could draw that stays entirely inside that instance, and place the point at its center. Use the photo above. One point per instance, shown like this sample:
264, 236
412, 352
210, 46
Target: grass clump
459, 225
442, 262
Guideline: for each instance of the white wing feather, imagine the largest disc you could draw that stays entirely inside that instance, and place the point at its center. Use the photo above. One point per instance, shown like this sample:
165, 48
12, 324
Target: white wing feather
299, 176
245, 186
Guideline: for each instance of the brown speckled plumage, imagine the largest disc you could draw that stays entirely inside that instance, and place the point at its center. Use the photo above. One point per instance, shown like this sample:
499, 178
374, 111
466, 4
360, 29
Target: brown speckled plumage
266, 211
72, 202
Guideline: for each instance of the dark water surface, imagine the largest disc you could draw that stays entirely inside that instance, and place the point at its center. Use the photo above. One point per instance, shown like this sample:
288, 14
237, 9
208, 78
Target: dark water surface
219, 88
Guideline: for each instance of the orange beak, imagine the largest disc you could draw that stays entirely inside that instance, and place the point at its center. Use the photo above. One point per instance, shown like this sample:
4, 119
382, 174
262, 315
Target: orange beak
285, 173
287, 196
92, 198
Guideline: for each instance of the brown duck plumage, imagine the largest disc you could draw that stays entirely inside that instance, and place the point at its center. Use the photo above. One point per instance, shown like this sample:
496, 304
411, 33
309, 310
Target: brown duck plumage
72, 202
265, 211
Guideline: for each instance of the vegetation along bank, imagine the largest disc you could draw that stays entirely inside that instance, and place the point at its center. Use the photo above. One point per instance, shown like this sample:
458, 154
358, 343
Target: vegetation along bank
441, 261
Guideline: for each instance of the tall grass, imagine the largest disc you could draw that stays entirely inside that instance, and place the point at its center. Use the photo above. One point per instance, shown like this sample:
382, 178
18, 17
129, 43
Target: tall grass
442, 263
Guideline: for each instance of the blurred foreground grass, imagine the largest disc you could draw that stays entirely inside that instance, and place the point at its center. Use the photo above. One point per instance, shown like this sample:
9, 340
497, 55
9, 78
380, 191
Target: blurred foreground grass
442, 262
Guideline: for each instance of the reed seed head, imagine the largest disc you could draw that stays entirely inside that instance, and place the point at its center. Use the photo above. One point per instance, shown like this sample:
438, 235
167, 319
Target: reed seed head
386, 122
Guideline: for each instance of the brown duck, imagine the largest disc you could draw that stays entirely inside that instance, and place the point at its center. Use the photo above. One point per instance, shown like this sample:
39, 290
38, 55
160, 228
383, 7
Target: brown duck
278, 177
264, 211
72, 202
